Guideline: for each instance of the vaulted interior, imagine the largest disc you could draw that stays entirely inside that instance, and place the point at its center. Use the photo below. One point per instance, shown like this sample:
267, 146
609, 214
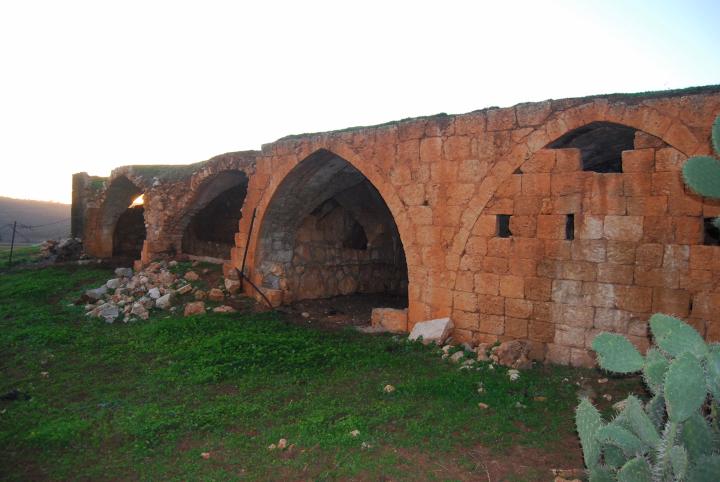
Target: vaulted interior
213, 220
328, 232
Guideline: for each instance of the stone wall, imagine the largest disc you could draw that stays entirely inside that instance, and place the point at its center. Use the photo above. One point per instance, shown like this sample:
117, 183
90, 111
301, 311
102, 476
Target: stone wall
447, 184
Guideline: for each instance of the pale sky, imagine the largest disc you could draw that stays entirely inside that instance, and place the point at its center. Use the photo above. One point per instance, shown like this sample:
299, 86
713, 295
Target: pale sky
89, 86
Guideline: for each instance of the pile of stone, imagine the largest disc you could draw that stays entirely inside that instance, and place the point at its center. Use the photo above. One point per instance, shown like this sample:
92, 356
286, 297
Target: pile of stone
132, 296
62, 250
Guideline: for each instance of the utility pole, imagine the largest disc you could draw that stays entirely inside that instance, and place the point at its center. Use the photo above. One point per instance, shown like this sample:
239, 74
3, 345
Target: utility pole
12, 244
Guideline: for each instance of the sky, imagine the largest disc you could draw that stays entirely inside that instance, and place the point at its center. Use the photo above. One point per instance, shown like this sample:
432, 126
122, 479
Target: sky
93, 85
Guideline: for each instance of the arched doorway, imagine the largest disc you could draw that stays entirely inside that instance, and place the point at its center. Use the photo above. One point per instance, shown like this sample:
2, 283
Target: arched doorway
327, 232
212, 222
124, 219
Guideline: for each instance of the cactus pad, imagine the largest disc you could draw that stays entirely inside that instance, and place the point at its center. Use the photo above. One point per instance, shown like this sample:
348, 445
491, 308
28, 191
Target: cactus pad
588, 422
685, 389
676, 337
617, 354
636, 470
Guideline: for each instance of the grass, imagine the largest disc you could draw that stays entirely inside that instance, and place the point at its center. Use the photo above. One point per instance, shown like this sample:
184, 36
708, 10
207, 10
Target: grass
144, 400
21, 254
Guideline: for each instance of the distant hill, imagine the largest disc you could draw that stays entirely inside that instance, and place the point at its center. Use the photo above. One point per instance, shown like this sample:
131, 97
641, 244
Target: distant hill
37, 220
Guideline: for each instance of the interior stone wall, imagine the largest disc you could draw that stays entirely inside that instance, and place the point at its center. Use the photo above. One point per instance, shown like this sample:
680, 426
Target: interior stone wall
348, 244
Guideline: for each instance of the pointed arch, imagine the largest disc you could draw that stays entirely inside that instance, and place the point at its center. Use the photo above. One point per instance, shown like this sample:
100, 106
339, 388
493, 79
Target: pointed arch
326, 231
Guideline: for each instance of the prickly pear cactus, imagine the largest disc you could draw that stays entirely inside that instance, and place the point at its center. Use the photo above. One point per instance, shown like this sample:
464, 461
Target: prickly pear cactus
702, 173
674, 436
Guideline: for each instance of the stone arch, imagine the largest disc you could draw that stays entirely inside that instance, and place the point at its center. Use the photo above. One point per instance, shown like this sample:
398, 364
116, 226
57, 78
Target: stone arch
650, 119
121, 228
208, 225
327, 230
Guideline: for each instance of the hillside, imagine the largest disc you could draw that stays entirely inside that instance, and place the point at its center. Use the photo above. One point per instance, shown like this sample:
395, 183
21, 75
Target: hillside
37, 220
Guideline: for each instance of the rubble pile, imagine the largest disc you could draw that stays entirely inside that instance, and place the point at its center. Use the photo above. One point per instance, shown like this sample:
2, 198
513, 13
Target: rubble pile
132, 296
62, 250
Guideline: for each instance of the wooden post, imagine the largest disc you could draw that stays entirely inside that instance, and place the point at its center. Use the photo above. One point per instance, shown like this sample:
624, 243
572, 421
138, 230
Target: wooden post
12, 243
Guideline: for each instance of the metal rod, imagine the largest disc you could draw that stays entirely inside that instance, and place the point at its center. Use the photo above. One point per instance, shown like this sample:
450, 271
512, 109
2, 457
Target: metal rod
247, 244
12, 244
242, 275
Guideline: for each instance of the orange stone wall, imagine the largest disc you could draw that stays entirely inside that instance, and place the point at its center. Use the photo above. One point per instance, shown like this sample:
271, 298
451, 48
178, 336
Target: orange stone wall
637, 244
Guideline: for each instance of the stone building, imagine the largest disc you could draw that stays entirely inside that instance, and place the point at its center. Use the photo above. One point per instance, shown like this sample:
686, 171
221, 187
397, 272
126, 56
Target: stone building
545, 221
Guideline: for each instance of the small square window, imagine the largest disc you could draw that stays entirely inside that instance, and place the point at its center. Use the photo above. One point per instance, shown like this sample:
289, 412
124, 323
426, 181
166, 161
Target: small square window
503, 226
711, 233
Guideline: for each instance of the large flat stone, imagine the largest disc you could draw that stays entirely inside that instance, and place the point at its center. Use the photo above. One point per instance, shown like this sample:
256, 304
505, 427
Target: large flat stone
432, 331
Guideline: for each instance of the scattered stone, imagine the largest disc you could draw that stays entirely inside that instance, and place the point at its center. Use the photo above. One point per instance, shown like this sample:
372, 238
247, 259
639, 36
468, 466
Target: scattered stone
165, 301
484, 406
45, 374
467, 347
64, 250
519, 405
513, 374
446, 349
457, 356
113, 283
107, 311
154, 293
394, 320
139, 310
200, 295
232, 286
282, 443
123, 272
184, 289
305, 314
166, 277
96, 294
172, 263
482, 352
540, 399
620, 406
355, 433
194, 308
272, 447
607, 397
389, 389
365, 446
191, 276
224, 309
205, 455
602, 380
513, 354
216, 294
432, 331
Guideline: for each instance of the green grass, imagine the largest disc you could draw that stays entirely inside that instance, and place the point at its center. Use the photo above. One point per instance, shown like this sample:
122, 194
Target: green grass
144, 400
21, 254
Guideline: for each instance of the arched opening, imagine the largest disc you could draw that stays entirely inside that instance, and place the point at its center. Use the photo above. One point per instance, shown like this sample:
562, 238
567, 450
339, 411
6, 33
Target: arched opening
600, 143
130, 233
327, 232
213, 220
123, 221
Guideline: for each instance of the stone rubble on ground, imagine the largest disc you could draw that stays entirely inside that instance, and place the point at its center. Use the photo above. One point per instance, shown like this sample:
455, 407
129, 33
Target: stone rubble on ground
512, 354
131, 296
62, 250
